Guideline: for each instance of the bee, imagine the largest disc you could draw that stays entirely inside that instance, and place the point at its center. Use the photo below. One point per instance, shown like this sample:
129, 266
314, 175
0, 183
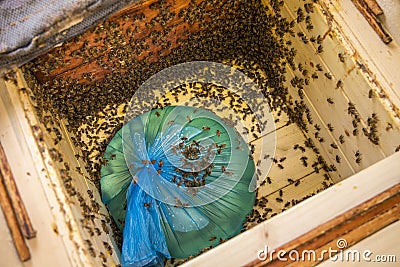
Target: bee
341, 57
301, 93
309, 8
355, 132
279, 200
212, 238
188, 118
341, 139
300, 15
337, 158
97, 231
319, 39
280, 192
280, 166
157, 114
195, 143
389, 126
330, 127
218, 133
269, 179
304, 161
320, 49
206, 128
330, 100
300, 67
297, 183
370, 93
314, 76
160, 163
334, 146
304, 39
181, 144
282, 159
339, 84
328, 75
332, 167
291, 181
92, 251
159, 171
397, 149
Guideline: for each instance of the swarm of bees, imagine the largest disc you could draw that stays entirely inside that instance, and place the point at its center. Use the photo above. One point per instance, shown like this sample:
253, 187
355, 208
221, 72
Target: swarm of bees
124, 52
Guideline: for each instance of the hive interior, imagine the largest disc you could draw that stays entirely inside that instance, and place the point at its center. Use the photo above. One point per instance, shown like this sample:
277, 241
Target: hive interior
330, 118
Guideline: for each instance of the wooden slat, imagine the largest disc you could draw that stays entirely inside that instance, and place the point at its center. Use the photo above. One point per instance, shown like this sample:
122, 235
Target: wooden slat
15, 198
350, 71
370, 227
370, 17
39, 181
382, 209
134, 25
12, 222
374, 6
382, 243
286, 138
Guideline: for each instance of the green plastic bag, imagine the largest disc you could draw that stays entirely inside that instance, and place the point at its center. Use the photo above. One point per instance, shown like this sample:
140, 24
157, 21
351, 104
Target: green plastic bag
177, 181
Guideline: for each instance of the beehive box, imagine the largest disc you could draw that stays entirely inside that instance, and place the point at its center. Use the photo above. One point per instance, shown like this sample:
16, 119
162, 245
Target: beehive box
334, 105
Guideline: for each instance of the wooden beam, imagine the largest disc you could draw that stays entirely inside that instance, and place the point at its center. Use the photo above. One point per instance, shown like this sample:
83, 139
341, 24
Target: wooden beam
353, 225
15, 199
12, 222
370, 17
374, 6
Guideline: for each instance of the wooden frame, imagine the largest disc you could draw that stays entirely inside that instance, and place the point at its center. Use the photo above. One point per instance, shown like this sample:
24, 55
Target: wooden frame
368, 190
